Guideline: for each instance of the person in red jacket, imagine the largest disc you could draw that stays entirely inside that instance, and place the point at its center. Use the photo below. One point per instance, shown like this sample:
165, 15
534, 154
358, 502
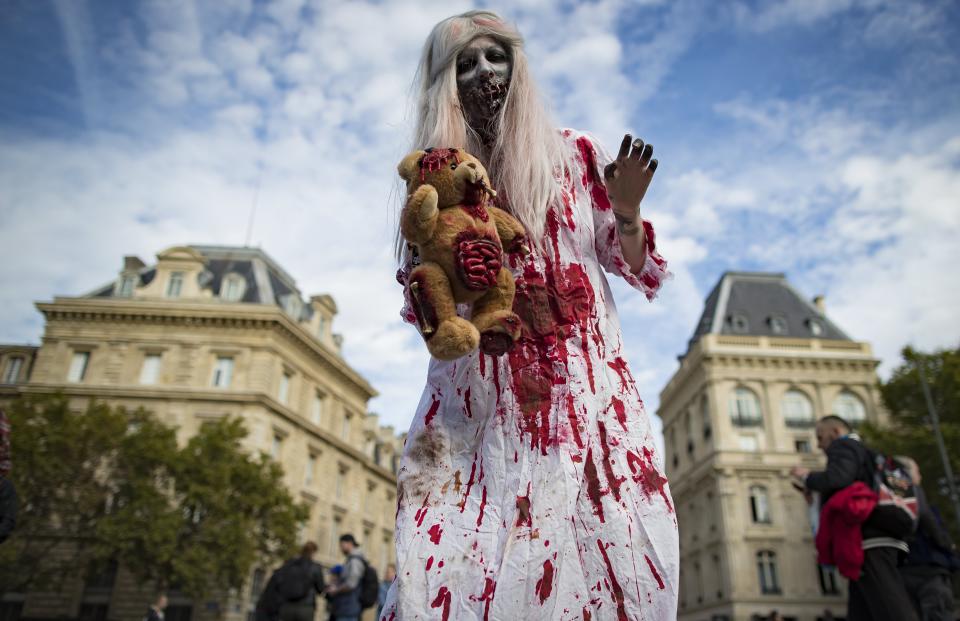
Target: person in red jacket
879, 594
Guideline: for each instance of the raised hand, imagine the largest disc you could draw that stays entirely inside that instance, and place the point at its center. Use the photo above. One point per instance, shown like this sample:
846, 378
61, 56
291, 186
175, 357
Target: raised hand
627, 179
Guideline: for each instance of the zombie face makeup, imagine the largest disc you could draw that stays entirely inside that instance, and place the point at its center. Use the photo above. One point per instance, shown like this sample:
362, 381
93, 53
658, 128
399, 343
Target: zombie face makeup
483, 77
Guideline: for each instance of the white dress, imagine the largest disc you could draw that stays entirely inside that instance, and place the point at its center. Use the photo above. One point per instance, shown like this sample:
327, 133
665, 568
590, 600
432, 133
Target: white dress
530, 486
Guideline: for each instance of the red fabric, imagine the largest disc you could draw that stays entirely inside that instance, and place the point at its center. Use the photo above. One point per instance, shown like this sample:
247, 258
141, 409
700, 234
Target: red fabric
839, 541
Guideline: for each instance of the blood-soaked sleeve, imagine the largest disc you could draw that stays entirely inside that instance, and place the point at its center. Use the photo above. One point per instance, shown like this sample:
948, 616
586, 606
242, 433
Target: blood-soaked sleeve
593, 159
403, 277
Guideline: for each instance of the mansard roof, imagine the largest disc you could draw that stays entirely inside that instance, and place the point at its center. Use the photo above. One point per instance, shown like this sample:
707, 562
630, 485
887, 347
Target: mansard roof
266, 282
763, 304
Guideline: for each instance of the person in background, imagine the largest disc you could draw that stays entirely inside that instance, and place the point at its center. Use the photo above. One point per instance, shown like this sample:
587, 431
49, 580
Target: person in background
155, 611
926, 570
388, 577
8, 493
345, 594
297, 583
879, 593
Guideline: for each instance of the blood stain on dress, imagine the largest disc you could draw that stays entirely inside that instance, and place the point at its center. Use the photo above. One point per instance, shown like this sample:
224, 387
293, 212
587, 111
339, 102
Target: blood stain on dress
442, 600
656, 574
593, 485
612, 479
616, 589
545, 583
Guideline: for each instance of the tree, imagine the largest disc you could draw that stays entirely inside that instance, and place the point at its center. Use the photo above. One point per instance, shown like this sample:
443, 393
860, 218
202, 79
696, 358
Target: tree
106, 485
910, 432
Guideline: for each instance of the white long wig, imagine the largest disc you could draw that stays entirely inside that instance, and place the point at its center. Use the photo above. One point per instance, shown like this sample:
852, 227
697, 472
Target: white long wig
528, 153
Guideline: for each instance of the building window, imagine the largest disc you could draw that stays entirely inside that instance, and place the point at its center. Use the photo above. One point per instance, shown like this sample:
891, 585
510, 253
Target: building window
759, 504
778, 325
849, 407
12, 373
829, 582
802, 445
293, 305
335, 536
688, 431
719, 575
277, 446
797, 409
309, 470
739, 324
321, 326
748, 443
78, 366
125, 286
705, 416
175, 284
283, 394
816, 327
345, 429
368, 499
745, 408
223, 372
316, 408
233, 287
341, 478
150, 371
767, 572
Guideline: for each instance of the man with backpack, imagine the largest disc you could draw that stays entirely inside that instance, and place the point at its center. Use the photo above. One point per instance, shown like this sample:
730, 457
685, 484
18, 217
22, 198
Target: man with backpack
932, 558
879, 593
292, 589
356, 590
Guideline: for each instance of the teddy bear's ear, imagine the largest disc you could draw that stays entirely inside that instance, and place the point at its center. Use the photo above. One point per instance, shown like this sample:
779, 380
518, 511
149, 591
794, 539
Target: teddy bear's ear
410, 165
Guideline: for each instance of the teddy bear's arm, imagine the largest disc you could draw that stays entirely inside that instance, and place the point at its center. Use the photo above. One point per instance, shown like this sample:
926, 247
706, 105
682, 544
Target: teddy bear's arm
419, 217
512, 234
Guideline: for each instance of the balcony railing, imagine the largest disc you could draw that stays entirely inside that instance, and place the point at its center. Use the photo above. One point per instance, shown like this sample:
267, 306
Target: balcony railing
745, 421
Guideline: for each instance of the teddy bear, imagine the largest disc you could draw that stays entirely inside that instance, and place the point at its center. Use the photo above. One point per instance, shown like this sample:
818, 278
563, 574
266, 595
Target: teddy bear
460, 239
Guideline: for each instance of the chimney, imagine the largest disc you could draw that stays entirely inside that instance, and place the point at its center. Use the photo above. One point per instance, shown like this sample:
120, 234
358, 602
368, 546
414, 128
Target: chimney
821, 303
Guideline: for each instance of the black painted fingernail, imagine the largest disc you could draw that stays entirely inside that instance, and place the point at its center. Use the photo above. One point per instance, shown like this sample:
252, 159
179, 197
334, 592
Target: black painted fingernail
653, 165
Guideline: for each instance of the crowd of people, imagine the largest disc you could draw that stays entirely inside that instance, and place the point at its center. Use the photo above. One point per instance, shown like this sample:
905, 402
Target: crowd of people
349, 588
874, 524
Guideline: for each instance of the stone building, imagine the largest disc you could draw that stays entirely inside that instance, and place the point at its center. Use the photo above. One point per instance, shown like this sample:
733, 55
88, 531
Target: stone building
204, 333
763, 365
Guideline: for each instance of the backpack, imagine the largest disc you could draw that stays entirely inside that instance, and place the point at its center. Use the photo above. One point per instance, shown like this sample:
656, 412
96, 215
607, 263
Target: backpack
369, 586
294, 581
897, 505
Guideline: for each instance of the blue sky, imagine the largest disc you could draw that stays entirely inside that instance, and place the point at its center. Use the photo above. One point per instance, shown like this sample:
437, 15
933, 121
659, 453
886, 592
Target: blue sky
820, 138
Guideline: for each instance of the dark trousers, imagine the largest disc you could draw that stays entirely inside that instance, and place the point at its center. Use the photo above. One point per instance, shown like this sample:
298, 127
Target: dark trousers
296, 612
879, 594
931, 592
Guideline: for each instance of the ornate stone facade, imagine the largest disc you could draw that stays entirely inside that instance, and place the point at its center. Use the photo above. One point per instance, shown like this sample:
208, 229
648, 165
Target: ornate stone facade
737, 414
210, 332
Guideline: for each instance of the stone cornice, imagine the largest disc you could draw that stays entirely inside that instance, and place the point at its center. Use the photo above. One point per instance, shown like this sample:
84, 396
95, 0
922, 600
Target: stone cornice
207, 395
197, 313
712, 348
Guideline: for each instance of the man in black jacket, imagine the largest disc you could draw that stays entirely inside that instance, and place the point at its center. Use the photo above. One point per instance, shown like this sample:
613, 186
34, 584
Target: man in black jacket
295, 586
879, 594
932, 558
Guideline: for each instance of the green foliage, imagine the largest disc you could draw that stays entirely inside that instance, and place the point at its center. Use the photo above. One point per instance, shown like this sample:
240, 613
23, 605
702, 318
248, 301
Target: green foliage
911, 434
106, 484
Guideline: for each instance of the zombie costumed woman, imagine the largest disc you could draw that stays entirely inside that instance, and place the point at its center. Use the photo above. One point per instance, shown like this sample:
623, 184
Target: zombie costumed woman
530, 487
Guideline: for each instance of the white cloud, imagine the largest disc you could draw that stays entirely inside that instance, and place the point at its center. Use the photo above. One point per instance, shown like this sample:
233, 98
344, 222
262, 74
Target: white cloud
309, 105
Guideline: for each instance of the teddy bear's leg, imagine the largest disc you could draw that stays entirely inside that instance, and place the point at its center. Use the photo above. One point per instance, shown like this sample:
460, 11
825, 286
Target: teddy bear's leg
493, 316
448, 336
